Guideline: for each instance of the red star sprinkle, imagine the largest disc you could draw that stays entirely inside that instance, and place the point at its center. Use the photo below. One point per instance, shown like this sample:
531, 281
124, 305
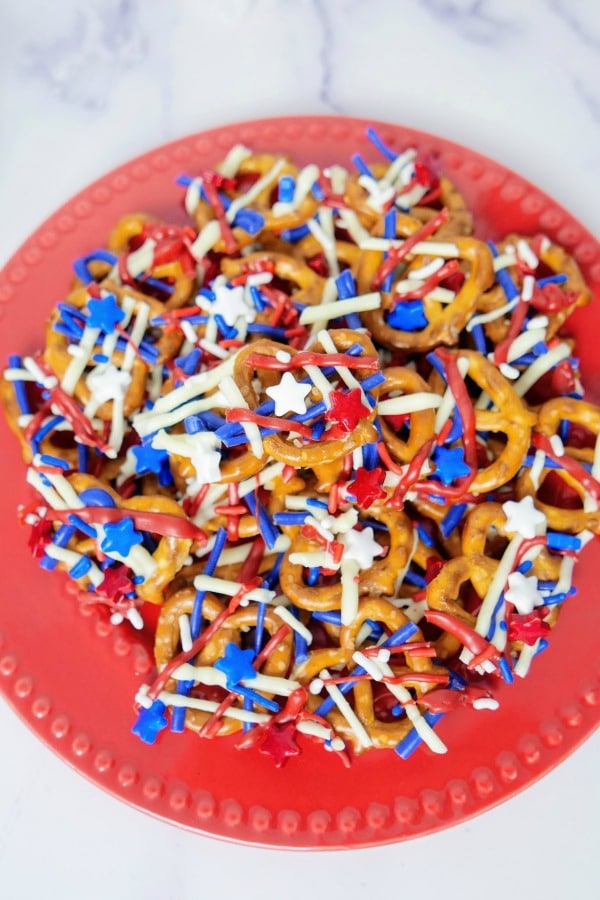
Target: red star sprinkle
367, 486
280, 743
346, 410
527, 628
40, 537
115, 583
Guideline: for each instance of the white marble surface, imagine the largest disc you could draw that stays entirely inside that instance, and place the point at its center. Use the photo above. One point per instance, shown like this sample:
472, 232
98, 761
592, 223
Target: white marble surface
83, 88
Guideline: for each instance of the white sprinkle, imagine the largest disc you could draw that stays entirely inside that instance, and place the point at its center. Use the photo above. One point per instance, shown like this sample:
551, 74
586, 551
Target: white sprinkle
408, 403
526, 255
348, 713
257, 188
537, 468
523, 663
206, 240
316, 686
424, 272
504, 260
290, 619
339, 308
116, 618
235, 397
185, 634
493, 314
509, 371
135, 618
485, 703
538, 322
429, 248
142, 259
542, 365
557, 445
528, 286
368, 664
231, 588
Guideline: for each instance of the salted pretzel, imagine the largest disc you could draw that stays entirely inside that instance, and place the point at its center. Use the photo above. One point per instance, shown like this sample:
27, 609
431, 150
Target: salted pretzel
444, 321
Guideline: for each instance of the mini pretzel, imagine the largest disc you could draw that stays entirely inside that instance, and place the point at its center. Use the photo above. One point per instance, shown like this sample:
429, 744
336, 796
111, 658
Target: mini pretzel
258, 166
307, 285
379, 579
580, 412
445, 321
509, 416
167, 639
382, 734
401, 379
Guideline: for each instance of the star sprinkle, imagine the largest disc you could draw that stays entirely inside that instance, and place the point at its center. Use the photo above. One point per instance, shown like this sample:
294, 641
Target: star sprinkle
105, 314
40, 536
150, 722
120, 537
108, 383
280, 743
408, 315
361, 546
522, 517
366, 487
450, 464
289, 395
229, 303
148, 459
115, 584
527, 628
523, 592
237, 665
346, 410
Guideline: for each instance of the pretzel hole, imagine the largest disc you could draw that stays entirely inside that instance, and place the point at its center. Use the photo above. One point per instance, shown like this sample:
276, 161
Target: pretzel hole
555, 491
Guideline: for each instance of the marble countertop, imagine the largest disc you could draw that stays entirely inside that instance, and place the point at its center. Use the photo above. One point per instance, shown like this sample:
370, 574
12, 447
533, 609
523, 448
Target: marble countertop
84, 88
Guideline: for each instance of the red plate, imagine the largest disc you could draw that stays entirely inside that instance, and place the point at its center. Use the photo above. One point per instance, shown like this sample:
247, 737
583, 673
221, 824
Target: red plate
72, 676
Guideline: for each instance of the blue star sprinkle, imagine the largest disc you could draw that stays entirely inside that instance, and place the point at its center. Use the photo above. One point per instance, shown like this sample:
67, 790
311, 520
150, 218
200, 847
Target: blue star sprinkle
105, 314
237, 665
120, 537
148, 459
150, 722
449, 464
408, 315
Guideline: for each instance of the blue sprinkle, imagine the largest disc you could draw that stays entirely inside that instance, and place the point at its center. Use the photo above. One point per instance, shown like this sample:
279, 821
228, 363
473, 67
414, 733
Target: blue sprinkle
505, 670
268, 531
150, 722
437, 364
81, 265
479, 338
287, 186
209, 569
510, 289
425, 537
409, 744
541, 646
552, 279
408, 315
82, 526
389, 232
189, 363
525, 567
249, 220
346, 285
184, 180
228, 331
414, 578
293, 235
41, 433
452, 519
559, 541
82, 457
317, 191
361, 165
379, 145
47, 460
319, 504
313, 576
15, 362
81, 567
257, 298
268, 330
259, 627
290, 518
96, 497
300, 645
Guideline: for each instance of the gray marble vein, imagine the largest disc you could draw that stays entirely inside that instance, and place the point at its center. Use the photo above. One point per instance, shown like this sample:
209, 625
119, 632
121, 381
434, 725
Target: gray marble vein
574, 16
83, 63
325, 55
472, 19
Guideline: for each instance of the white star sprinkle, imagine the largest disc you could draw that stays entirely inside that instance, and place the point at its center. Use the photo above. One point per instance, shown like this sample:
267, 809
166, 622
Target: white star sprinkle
361, 546
108, 383
523, 518
289, 395
229, 302
523, 593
